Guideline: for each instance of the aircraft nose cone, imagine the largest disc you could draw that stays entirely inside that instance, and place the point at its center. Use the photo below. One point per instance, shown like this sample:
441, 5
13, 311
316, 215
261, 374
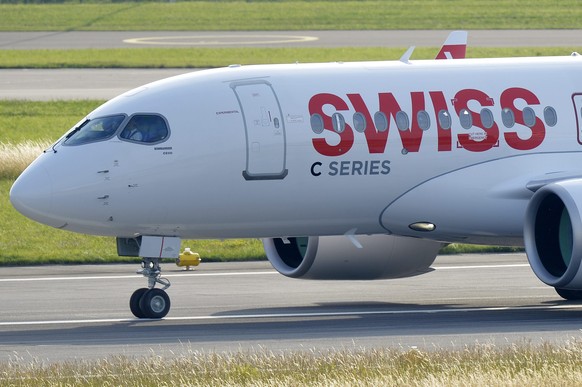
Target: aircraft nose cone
32, 195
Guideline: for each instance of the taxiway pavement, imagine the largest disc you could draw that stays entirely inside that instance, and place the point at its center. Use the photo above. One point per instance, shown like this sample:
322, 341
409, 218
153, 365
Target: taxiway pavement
385, 38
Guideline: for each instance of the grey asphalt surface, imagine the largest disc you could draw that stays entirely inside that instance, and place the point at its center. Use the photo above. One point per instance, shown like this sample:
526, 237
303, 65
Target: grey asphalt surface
60, 313
386, 38
62, 84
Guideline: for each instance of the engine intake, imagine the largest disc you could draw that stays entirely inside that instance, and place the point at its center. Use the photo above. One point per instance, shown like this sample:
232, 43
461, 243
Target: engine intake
552, 233
337, 258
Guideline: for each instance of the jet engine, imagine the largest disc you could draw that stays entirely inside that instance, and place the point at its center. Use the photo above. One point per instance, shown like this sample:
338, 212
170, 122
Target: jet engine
553, 236
351, 257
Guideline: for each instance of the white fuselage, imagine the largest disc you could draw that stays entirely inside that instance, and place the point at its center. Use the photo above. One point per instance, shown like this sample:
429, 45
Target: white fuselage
244, 157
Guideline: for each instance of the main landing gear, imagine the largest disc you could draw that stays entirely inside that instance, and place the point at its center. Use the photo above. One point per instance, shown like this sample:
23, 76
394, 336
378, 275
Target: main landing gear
569, 294
151, 302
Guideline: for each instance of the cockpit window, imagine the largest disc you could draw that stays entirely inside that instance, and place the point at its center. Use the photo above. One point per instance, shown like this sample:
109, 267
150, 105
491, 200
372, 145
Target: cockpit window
145, 128
97, 129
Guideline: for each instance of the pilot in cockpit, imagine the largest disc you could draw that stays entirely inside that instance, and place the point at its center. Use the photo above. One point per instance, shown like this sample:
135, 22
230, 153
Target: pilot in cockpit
133, 131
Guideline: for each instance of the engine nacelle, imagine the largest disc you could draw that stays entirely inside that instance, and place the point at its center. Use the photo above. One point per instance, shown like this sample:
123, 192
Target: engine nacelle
338, 258
553, 234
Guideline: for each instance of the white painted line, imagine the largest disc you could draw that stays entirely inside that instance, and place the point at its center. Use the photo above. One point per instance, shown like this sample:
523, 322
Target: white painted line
298, 315
480, 266
219, 274
206, 40
84, 278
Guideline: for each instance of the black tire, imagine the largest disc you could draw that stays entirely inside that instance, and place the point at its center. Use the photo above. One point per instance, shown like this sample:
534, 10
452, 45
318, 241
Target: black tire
569, 294
134, 301
155, 303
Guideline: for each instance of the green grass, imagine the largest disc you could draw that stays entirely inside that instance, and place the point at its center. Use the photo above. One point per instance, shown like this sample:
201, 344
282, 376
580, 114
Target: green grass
39, 121
479, 365
192, 57
293, 15
217, 57
459, 248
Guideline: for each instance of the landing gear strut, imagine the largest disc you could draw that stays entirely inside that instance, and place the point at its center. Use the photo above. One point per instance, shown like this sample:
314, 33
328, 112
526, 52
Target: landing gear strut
151, 302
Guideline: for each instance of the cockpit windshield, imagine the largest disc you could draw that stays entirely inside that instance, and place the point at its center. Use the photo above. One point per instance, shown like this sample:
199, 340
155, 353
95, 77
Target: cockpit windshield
97, 129
146, 129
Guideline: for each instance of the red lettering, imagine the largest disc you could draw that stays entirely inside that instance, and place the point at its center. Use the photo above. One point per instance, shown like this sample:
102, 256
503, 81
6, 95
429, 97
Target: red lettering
538, 131
346, 138
476, 140
445, 138
491, 135
412, 136
376, 140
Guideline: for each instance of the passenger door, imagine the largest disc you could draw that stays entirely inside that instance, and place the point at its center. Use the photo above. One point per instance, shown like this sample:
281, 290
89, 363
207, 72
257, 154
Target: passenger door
264, 130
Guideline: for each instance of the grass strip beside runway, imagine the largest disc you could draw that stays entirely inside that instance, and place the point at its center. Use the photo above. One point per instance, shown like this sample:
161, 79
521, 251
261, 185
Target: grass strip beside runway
219, 57
479, 365
291, 15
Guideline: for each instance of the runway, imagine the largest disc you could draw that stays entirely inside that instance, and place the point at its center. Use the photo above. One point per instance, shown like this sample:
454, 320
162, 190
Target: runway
57, 313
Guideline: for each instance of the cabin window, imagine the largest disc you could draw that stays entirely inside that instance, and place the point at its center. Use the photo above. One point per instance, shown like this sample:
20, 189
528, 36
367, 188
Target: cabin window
145, 128
381, 122
96, 129
465, 119
402, 121
316, 121
423, 119
338, 122
444, 119
487, 118
550, 116
508, 117
359, 122
529, 117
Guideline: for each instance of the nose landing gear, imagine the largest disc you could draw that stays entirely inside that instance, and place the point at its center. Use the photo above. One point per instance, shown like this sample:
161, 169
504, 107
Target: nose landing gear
151, 302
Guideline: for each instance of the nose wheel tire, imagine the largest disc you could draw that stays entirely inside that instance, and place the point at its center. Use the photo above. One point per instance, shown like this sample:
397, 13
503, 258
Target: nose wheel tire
149, 303
134, 303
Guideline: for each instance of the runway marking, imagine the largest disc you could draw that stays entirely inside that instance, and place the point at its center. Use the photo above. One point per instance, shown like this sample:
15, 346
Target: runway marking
222, 274
297, 315
480, 266
191, 274
217, 40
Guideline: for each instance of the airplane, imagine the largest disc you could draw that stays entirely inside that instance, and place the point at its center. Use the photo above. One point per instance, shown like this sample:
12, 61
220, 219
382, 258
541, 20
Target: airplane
346, 171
